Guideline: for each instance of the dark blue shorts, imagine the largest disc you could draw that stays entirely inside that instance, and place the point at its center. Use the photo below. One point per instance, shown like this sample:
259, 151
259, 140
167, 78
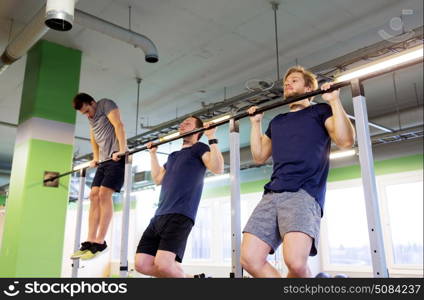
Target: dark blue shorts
110, 174
166, 232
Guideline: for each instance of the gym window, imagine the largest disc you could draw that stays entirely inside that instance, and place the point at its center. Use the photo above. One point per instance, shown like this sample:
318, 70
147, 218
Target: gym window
344, 230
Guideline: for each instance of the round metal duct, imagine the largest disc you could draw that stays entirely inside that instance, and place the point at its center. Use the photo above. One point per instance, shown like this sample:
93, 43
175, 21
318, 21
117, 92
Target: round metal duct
60, 14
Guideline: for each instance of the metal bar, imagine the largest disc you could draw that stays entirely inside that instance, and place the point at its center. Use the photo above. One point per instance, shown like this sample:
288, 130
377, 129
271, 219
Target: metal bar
341, 61
395, 95
368, 181
214, 106
266, 107
123, 266
244, 114
236, 270
61, 175
359, 54
378, 126
371, 124
407, 130
138, 80
236, 117
82, 138
8, 124
75, 263
293, 99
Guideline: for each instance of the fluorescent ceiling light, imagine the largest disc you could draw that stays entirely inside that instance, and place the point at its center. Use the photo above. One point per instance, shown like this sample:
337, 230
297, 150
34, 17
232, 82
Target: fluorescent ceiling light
381, 64
169, 136
340, 154
217, 177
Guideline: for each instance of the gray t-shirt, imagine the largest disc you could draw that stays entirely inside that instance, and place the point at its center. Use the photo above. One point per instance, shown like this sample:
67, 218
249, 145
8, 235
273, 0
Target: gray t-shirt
103, 130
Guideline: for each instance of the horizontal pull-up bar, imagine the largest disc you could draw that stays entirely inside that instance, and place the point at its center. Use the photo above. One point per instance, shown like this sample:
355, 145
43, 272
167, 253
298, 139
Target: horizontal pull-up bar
238, 116
261, 109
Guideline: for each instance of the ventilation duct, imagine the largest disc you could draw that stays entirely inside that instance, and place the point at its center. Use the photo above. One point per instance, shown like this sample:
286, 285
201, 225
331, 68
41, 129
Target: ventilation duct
36, 28
29, 35
137, 40
60, 14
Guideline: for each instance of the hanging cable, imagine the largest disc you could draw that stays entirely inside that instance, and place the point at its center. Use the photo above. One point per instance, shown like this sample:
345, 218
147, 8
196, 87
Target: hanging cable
10, 31
129, 18
396, 99
138, 80
275, 8
416, 94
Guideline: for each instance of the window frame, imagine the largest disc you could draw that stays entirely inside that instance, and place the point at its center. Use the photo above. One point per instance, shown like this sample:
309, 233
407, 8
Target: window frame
324, 246
188, 260
382, 182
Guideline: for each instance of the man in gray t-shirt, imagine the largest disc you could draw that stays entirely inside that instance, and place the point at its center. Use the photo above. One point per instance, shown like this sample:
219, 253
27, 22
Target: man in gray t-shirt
107, 136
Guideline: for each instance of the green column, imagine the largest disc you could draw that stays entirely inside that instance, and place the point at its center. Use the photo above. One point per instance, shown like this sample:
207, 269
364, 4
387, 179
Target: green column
34, 226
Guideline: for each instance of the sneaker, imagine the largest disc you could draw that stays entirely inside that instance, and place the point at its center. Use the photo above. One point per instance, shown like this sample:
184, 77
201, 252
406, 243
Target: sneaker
94, 251
85, 246
201, 275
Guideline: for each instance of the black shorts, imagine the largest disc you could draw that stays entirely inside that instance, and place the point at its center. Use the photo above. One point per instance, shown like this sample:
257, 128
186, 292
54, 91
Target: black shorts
167, 232
110, 174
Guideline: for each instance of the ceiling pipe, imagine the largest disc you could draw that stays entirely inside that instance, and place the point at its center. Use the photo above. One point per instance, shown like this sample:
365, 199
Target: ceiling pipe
31, 33
36, 28
28, 36
60, 14
120, 33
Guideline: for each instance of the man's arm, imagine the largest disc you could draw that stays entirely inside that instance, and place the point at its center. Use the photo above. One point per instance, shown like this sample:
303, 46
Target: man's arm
260, 144
115, 119
156, 170
95, 148
213, 160
338, 126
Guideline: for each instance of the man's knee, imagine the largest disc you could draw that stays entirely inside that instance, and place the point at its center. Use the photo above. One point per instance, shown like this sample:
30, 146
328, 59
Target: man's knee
297, 266
251, 262
143, 266
164, 266
94, 195
105, 195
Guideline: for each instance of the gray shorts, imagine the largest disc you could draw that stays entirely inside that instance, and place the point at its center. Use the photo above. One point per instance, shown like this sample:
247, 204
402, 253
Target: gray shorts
279, 213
